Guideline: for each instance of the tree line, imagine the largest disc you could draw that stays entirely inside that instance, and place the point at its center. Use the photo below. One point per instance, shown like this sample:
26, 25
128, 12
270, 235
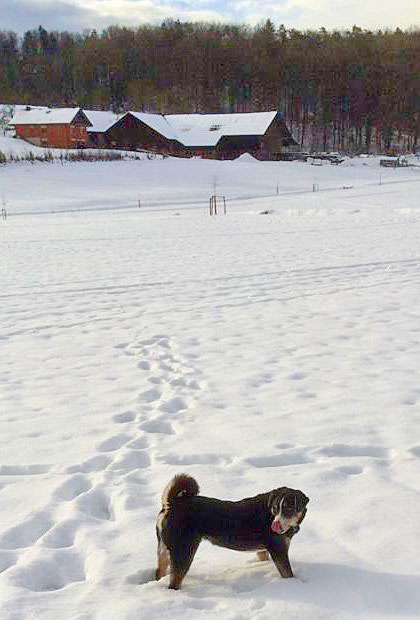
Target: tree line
337, 89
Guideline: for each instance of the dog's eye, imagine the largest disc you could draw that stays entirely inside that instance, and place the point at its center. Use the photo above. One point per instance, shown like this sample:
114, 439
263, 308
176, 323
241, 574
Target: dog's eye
289, 506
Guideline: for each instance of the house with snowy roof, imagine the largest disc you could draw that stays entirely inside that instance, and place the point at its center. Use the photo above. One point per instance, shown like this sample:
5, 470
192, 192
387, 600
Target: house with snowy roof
226, 136
145, 132
218, 136
52, 127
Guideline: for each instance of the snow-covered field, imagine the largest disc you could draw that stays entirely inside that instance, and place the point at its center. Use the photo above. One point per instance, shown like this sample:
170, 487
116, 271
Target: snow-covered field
168, 183
252, 351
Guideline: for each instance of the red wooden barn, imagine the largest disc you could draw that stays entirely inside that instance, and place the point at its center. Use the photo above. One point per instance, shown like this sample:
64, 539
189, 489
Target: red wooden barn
64, 128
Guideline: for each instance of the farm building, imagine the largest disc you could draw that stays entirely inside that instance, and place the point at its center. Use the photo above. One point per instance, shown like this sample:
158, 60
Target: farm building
226, 136
100, 121
216, 136
143, 131
52, 127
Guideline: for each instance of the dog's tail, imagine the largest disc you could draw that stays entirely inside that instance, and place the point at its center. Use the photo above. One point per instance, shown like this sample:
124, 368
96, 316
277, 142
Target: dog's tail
181, 485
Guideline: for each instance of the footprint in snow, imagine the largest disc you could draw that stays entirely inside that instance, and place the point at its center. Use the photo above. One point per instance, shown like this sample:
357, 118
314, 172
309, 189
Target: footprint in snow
113, 443
123, 418
157, 426
95, 503
150, 396
140, 443
129, 461
297, 376
297, 457
27, 533
343, 450
96, 463
23, 470
61, 535
155, 380
72, 487
47, 575
174, 405
340, 473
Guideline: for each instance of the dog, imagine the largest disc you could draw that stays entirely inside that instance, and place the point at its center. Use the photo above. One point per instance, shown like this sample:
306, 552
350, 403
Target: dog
265, 523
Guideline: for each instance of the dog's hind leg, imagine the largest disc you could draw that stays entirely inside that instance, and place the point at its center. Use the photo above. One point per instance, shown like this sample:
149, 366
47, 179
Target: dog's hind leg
163, 561
181, 557
278, 550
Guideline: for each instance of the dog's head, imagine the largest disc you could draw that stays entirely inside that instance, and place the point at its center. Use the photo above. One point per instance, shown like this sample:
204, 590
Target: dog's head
288, 508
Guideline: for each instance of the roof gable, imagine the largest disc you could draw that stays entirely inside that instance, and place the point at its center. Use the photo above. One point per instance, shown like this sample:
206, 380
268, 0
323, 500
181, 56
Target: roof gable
157, 122
101, 120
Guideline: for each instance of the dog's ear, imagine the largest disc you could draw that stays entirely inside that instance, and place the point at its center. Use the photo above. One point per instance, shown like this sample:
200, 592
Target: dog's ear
301, 500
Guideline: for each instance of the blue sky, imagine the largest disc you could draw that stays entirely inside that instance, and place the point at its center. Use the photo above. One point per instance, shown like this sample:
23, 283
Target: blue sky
77, 15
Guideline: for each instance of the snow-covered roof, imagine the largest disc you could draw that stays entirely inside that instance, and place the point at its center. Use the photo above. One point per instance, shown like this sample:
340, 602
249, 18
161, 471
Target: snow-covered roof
44, 116
188, 129
158, 122
101, 120
207, 129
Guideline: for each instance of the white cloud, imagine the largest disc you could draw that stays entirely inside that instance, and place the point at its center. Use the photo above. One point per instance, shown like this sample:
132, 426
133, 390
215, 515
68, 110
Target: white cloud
20, 15
340, 14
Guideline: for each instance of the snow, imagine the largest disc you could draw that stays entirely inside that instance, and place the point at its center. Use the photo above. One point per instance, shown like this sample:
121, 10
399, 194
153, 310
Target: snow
43, 116
207, 129
101, 120
158, 122
252, 351
162, 184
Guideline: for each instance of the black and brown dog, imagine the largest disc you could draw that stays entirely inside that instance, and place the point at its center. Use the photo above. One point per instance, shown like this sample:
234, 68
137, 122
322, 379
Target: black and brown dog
265, 523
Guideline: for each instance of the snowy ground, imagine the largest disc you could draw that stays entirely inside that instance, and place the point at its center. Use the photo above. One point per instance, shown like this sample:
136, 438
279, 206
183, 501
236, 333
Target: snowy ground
163, 184
252, 351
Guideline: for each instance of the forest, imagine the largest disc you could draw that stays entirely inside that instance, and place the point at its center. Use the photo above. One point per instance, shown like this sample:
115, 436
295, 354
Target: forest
355, 90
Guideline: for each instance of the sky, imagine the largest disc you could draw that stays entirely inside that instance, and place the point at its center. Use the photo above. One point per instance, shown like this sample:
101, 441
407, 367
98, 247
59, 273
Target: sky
79, 15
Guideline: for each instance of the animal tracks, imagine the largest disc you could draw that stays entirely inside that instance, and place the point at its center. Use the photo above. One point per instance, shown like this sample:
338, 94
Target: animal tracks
96, 463
113, 443
26, 533
53, 547
336, 458
72, 487
158, 425
342, 450
125, 417
26, 470
61, 568
131, 460
174, 405
62, 535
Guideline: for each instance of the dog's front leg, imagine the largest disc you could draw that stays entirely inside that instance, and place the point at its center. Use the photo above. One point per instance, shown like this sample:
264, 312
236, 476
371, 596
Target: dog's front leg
278, 550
